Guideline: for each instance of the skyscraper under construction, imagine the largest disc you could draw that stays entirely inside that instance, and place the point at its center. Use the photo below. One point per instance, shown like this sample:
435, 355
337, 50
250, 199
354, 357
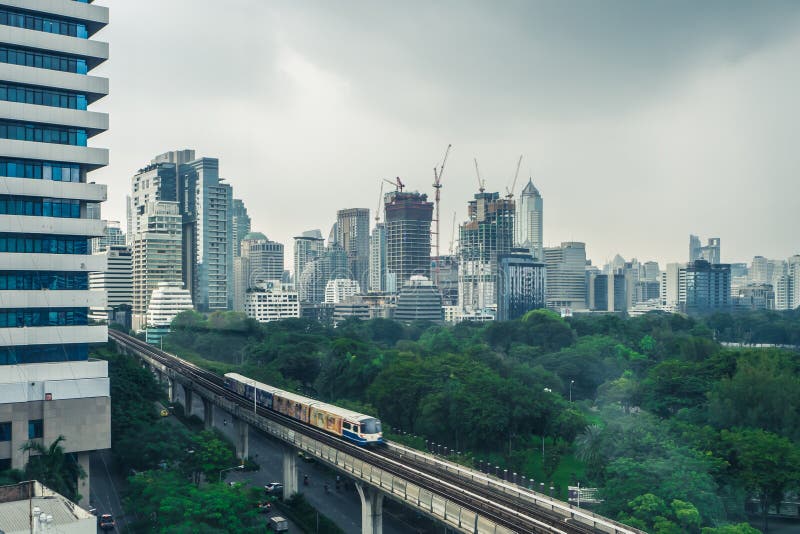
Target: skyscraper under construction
408, 235
489, 231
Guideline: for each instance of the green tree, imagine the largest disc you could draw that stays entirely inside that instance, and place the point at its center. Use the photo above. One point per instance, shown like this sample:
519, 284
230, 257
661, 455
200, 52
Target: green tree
53, 467
765, 464
208, 456
165, 502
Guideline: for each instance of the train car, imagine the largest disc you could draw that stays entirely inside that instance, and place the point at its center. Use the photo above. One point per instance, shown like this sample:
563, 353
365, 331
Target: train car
355, 427
246, 386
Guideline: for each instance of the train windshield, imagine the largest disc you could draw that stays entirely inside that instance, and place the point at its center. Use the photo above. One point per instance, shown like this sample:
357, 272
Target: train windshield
371, 426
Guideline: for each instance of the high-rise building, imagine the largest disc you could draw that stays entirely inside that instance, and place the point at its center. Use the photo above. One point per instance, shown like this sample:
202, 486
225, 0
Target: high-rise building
47, 52
695, 248
240, 223
116, 281
377, 259
408, 235
316, 274
448, 279
154, 182
352, 234
488, 232
670, 291
704, 287
272, 301
167, 301
340, 290
207, 234
156, 254
520, 284
566, 276
263, 259
754, 297
529, 223
307, 247
112, 236
419, 300
710, 252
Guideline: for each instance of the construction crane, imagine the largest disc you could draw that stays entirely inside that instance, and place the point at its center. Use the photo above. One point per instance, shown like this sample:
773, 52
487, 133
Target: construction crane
481, 183
396, 183
437, 186
378, 209
510, 193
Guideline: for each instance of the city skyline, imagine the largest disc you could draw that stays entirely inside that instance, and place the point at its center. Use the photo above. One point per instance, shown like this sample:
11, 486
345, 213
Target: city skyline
634, 147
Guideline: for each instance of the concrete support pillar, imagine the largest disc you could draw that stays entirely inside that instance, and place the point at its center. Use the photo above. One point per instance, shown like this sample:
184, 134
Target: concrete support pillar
188, 400
243, 439
170, 389
371, 509
83, 484
289, 472
208, 414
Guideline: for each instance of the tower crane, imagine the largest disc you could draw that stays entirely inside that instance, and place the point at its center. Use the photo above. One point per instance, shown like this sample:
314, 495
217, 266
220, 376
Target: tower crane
378, 209
510, 193
396, 183
481, 183
437, 186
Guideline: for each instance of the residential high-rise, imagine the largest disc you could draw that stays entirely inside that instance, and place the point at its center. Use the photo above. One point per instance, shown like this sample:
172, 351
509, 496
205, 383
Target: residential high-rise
112, 236
156, 254
330, 265
307, 247
341, 289
566, 277
377, 259
710, 252
670, 293
419, 300
240, 223
448, 279
488, 232
704, 287
529, 223
47, 53
520, 284
408, 219
117, 283
207, 234
263, 259
352, 234
154, 182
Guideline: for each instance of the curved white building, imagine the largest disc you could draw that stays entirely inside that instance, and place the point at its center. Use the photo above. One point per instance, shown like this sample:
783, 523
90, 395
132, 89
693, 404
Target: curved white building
341, 289
168, 300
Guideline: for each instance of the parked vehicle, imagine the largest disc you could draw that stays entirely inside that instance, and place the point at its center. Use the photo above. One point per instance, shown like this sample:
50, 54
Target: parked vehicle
274, 488
106, 522
278, 524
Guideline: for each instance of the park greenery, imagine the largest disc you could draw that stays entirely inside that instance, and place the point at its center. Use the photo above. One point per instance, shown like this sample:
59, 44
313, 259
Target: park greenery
678, 431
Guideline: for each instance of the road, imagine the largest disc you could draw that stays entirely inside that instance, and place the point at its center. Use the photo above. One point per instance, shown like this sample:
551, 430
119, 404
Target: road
106, 487
342, 507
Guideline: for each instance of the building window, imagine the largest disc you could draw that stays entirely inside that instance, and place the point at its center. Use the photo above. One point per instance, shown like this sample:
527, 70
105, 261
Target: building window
35, 429
40, 207
29, 58
42, 97
37, 243
5, 431
40, 170
37, 133
43, 24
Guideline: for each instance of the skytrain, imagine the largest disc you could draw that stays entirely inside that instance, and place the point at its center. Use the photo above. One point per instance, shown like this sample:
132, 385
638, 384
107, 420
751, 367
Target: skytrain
357, 428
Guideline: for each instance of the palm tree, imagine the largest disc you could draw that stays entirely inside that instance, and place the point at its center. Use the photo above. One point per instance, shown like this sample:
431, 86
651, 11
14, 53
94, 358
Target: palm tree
53, 467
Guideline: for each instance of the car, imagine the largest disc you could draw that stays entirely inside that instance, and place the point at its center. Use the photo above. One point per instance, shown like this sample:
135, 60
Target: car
106, 522
273, 487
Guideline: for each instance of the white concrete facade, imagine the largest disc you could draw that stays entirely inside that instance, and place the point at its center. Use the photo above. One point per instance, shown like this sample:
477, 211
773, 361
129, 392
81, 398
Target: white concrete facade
69, 396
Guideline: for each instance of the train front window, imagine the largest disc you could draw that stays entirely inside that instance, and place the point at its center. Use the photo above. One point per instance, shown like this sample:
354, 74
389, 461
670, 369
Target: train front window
371, 426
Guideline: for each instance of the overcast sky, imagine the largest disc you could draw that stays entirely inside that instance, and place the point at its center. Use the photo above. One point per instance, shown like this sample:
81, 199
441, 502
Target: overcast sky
640, 122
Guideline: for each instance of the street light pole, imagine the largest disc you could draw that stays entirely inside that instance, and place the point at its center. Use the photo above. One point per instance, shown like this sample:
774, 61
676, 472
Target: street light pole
570, 390
229, 469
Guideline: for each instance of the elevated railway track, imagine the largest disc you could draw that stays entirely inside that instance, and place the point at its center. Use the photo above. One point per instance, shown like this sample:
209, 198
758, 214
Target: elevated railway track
465, 499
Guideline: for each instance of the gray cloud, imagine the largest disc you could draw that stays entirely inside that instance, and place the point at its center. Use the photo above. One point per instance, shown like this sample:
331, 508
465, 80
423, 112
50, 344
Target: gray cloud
640, 121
